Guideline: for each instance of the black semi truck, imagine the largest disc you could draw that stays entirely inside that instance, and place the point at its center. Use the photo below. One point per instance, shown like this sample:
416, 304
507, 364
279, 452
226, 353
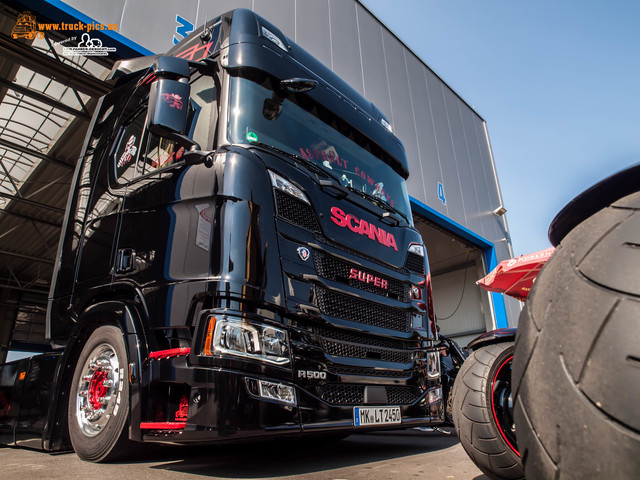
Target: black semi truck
238, 261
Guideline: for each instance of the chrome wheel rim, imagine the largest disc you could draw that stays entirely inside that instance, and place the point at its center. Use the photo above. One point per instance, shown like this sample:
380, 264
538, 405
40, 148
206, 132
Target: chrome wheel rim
99, 390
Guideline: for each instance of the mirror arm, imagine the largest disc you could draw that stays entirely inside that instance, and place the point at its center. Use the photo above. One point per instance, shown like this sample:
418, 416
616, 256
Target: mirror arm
193, 155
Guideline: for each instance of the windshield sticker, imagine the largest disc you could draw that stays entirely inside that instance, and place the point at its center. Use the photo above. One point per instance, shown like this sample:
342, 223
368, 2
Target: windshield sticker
129, 152
252, 136
328, 155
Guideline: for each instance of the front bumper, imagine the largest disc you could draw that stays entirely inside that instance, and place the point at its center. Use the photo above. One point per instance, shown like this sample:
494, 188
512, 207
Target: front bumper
183, 403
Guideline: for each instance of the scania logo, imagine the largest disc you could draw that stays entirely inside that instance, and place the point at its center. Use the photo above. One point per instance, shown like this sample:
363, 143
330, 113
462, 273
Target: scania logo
303, 253
362, 227
356, 274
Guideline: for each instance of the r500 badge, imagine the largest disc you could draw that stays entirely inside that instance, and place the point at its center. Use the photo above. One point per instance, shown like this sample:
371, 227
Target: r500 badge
312, 374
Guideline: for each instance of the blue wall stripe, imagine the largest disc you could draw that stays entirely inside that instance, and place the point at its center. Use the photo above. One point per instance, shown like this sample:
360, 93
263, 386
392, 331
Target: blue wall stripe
499, 307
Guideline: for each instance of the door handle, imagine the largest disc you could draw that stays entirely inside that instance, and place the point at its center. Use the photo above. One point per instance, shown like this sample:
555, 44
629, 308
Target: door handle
125, 260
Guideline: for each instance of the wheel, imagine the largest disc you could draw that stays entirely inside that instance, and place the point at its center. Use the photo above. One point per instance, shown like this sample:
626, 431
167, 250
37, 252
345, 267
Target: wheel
482, 411
99, 398
577, 357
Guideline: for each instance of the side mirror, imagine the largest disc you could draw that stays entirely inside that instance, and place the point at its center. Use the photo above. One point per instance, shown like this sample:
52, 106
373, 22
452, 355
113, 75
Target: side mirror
169, 101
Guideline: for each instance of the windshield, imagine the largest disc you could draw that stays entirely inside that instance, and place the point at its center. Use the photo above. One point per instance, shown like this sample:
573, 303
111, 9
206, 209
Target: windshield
299, 126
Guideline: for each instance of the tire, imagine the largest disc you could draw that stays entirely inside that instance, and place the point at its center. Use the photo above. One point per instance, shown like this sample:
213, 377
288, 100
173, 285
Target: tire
577, 359
99, 398
482, 413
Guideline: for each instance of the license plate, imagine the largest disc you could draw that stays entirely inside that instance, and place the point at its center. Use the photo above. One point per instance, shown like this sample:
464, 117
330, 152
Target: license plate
363, 416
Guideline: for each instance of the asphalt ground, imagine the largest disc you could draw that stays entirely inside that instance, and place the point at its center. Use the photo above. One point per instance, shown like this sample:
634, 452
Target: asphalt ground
401, 455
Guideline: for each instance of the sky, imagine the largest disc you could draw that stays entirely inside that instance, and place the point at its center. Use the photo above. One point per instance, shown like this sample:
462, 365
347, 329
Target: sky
557, 82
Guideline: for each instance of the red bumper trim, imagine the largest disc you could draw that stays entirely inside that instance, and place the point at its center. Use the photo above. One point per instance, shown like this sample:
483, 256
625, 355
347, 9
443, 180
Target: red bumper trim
174, 352
162, 425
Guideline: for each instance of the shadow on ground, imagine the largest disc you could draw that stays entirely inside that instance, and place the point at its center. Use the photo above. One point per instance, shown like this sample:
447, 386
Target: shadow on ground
287, 458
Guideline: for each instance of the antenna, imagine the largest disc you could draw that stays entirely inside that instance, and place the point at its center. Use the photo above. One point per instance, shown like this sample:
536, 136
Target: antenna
205, 36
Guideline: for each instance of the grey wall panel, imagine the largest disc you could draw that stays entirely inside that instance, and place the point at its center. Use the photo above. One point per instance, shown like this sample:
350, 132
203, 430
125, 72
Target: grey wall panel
345, 45
103, 12
281, 13
463, 165
313, 30
156, 35
425, 135
208, 9
483, 207
374, 70
491, 226
213, 8
401, 106
453, 196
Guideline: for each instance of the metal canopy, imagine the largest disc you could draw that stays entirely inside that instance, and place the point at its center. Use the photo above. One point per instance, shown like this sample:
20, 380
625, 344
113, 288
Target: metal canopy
46, 100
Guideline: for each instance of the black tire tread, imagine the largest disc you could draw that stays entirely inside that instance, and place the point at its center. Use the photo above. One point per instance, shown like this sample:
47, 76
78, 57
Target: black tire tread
578, 329
473, 420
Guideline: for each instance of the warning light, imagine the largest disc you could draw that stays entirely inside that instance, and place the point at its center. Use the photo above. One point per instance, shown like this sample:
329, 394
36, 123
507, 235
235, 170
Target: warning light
22, 375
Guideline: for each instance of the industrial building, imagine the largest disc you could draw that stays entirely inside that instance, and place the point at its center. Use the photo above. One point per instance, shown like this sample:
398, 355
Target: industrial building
49, 85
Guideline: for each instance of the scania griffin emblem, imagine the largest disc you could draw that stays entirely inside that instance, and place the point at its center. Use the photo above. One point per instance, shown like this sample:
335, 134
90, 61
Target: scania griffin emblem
303, 253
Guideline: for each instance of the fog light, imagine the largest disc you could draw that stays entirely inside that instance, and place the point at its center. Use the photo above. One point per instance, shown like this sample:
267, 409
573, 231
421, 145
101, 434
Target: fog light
280, 392
435, 395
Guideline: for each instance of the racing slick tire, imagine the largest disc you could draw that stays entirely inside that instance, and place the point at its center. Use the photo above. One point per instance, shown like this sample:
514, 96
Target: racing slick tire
482, 411
576, 368
99, 398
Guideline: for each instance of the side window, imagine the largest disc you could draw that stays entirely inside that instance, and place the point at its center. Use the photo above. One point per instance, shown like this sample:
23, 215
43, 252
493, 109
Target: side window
128, 148
161, 152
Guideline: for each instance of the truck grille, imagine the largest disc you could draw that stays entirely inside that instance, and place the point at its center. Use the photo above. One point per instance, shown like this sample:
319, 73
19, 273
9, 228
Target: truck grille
296, 211
354, 394
327, 241
362, 311
357, 351
367, 372
354, 345
372, 340
339, 271
415, 263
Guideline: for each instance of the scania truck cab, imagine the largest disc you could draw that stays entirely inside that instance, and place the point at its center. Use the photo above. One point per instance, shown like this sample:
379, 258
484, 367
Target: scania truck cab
239, 259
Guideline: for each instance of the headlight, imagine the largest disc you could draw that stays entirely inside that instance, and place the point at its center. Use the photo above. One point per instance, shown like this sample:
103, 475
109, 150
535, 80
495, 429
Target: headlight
417, 249
248, 339
286, 186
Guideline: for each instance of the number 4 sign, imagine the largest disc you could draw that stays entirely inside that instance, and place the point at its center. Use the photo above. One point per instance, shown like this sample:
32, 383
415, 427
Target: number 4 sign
441, 193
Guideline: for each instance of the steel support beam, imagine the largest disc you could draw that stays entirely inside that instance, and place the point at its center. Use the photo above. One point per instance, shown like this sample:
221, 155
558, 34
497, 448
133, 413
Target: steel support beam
32, 203
51, 68
21, 289
35, 153
29, 218
27, 257
41, 97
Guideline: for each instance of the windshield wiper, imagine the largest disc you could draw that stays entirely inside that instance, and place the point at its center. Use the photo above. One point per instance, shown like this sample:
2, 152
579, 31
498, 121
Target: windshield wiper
310, 165
377, 201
